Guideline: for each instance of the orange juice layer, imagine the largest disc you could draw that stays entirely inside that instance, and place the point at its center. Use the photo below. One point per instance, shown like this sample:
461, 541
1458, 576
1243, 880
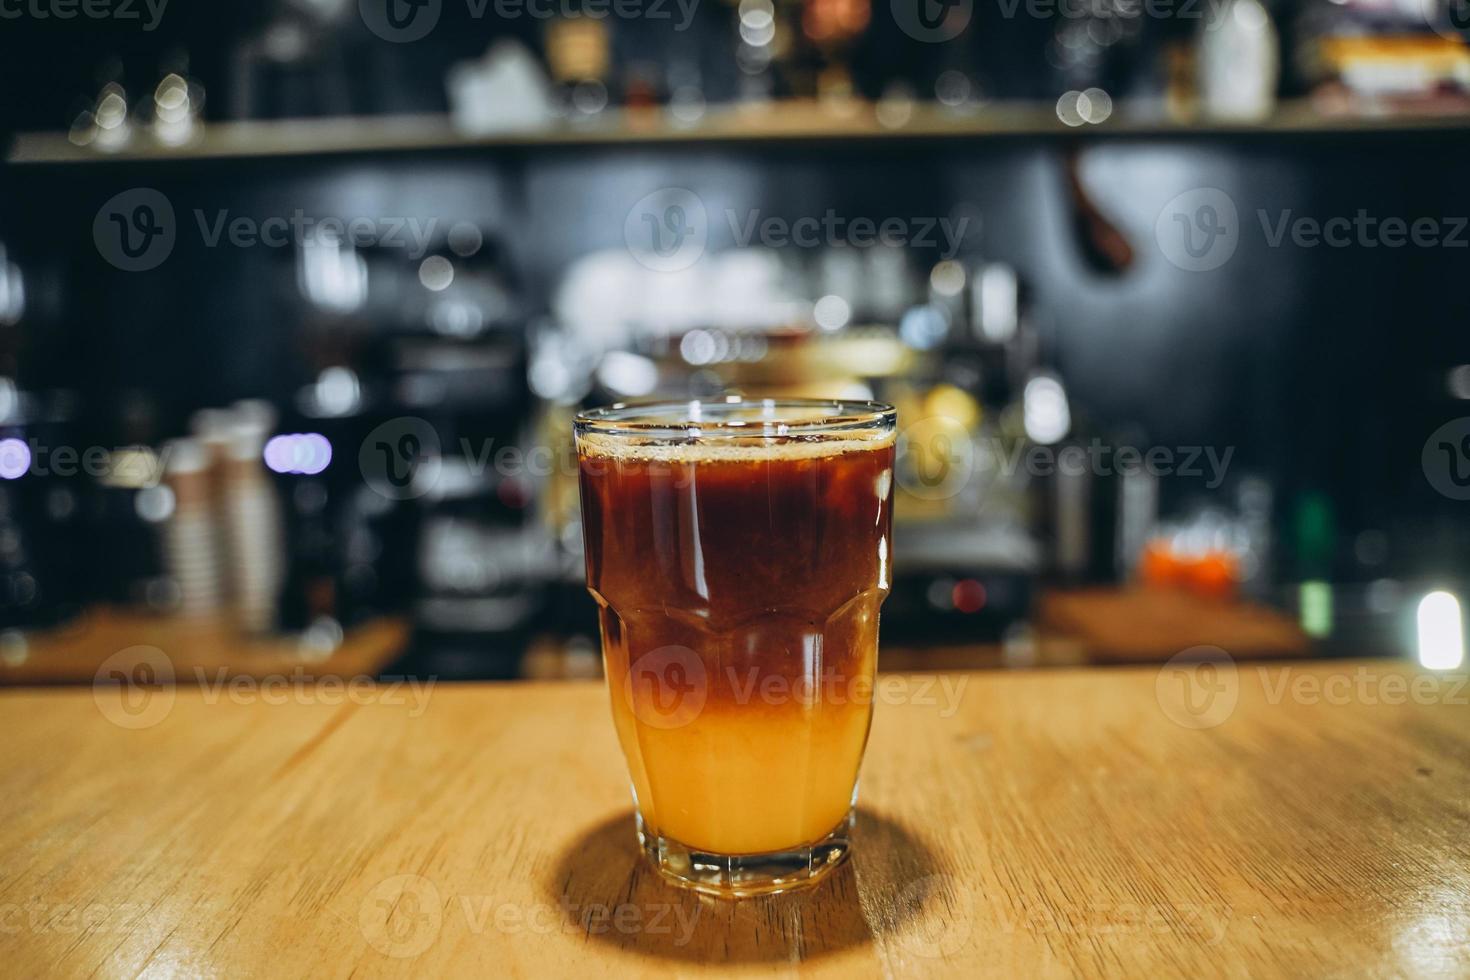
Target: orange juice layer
744, 780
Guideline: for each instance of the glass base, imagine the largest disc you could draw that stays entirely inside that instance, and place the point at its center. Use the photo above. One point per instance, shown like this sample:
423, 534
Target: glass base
740, 875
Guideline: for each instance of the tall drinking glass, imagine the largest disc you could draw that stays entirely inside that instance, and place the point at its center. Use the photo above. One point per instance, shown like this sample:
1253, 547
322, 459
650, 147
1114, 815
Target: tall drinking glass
738, 551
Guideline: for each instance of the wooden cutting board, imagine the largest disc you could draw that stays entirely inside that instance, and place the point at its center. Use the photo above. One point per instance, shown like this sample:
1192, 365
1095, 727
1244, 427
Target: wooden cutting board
1139, 625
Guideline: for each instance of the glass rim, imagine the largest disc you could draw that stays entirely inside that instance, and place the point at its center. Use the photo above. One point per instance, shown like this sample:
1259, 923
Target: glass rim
700, 418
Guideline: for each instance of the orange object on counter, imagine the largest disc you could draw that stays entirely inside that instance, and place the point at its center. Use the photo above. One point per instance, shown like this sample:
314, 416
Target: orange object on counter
1215, 574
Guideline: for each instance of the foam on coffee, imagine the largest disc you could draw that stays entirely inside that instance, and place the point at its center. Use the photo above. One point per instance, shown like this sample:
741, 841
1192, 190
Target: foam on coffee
733, 448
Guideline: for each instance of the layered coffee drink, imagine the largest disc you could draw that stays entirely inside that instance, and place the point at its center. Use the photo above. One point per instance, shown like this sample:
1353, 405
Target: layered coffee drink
738, 552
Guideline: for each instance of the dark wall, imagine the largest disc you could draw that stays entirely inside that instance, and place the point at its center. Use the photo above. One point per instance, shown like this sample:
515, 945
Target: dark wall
1323, 366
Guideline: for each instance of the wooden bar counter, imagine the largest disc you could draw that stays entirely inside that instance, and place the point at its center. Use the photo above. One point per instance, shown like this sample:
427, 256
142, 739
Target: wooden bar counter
1281, 820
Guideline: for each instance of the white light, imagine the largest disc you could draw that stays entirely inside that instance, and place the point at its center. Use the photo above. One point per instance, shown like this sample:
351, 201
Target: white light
831, 312
757, 35
436, 273
332, 274
1458, 382
947, 278
628, 374
1068, 109
1044, 410
337, 391
923, 327
1441, 632
1095, 105
154, 504
952, 88
1251, 16
112, 110
999, 290
698, 347
757, 17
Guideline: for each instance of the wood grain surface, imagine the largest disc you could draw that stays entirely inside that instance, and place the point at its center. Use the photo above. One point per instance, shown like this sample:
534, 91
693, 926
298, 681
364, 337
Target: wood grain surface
1282, 820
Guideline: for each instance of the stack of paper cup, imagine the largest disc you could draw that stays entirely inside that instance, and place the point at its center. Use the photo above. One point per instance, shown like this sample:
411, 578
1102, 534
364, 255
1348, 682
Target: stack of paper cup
190, 539
252, 519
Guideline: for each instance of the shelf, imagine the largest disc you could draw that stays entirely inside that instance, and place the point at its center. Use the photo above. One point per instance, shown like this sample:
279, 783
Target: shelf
801, 121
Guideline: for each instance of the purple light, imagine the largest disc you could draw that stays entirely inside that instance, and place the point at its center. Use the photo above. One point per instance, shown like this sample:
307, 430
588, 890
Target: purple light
317, 453
277, 454
306, 453
15, 459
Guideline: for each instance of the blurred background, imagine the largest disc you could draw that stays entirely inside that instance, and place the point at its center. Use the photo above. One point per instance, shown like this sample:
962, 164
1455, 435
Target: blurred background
298, 299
